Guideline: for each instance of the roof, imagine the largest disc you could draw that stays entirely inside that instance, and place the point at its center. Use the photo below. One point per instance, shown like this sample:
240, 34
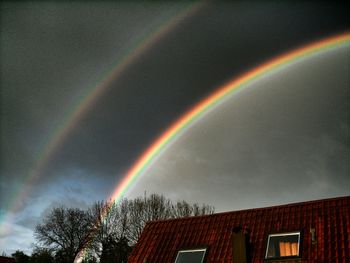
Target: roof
7, 260
161, 240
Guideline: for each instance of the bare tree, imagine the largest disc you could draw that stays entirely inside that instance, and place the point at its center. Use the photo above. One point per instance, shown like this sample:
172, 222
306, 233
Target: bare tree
110, 221
136, 219
157, 207
202, 210
41, 255
142, 210
66, 231
108, 229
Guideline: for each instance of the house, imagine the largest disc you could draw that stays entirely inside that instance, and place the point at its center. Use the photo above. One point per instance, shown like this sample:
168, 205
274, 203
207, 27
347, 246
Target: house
314, 231
4, 259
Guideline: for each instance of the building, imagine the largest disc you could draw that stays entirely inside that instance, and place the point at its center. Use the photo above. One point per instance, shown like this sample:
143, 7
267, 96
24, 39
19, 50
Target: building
4, 259
314, 231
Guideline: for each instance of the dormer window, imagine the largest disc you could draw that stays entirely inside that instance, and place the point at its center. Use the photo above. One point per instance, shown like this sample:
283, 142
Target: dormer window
190, 256
283, 245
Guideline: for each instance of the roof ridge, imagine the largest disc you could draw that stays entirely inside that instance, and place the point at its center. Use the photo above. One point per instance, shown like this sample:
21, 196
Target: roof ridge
255, 209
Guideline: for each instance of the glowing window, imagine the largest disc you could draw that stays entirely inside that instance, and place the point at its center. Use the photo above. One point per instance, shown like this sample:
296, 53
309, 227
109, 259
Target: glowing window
283, 245
190, 256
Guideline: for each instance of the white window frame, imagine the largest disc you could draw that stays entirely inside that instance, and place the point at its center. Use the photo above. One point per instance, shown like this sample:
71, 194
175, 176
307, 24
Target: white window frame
191, 251
296, 233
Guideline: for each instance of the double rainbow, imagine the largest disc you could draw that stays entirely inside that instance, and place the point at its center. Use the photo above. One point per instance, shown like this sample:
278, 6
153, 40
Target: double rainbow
91, 98
82, 107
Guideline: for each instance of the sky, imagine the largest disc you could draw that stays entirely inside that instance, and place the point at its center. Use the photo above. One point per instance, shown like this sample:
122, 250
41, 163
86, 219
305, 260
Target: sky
283, 139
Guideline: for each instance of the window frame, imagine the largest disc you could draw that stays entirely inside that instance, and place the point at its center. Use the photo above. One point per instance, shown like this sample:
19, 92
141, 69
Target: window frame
287, 233
204, 249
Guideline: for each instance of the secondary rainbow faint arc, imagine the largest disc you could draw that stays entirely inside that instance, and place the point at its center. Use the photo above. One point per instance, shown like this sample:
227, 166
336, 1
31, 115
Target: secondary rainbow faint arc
85, 104
222, 92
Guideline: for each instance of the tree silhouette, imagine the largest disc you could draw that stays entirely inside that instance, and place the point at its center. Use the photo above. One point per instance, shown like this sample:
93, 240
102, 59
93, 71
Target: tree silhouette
41, 255
107, 230
66, 231
20, 257
157, 207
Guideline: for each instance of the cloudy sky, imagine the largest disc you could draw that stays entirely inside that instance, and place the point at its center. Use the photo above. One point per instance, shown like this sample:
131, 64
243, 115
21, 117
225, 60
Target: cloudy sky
285, 138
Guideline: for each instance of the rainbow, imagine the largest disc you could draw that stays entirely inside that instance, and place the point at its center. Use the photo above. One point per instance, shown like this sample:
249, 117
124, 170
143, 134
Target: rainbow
81, 108
199, 110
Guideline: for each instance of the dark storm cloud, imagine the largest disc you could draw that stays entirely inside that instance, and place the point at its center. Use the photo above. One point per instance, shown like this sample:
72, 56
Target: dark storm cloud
52, 54
283, 140
198, 55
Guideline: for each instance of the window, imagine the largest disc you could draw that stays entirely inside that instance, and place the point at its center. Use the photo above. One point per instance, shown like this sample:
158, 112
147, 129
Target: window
190, 256
283, 245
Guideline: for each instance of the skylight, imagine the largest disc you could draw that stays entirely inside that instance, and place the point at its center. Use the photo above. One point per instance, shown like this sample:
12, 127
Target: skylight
190, 256
283, 245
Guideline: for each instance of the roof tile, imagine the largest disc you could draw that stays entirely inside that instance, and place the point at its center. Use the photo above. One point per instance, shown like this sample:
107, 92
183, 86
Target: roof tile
161, 240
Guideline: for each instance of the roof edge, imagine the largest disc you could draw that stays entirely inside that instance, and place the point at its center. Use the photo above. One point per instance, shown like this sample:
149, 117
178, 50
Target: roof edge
257, 208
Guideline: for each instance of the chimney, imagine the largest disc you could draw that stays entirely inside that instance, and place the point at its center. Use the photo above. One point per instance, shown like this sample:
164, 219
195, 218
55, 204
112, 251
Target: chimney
239, 242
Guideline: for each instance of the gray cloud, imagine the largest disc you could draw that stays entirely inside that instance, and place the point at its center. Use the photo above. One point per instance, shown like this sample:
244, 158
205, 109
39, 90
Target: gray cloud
53, 54
16, 237
277, 141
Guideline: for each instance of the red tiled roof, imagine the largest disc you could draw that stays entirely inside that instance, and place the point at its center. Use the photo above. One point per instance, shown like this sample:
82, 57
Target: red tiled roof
7, 260
161, 240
